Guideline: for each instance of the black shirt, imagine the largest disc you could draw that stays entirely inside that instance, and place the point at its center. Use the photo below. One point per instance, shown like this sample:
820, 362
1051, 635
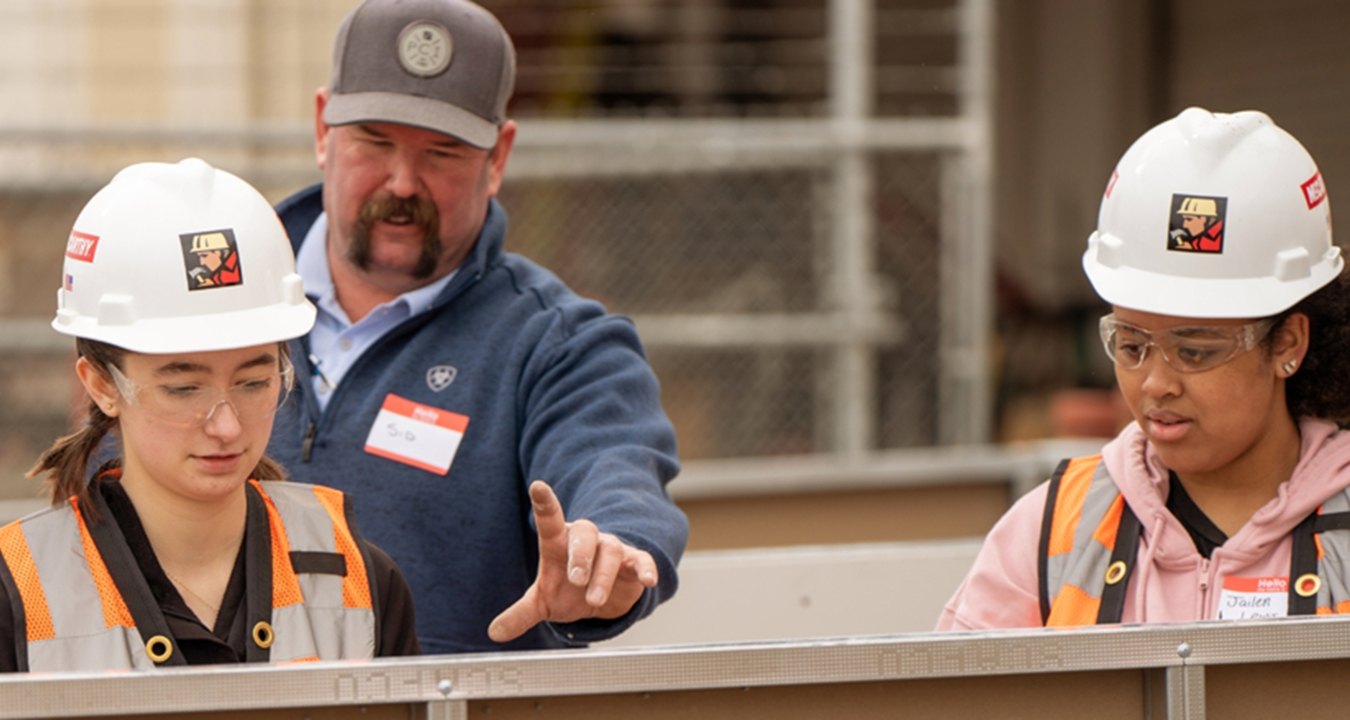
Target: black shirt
1204, 533
226, 642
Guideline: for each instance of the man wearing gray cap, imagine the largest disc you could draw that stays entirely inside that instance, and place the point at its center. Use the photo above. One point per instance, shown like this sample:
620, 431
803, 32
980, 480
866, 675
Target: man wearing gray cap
445, 378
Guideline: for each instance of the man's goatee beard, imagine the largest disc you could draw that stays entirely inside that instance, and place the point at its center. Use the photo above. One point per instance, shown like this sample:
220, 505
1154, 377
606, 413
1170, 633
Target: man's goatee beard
422, 213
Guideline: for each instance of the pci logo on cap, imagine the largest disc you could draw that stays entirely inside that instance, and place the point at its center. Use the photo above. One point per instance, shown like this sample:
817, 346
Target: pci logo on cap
424, 49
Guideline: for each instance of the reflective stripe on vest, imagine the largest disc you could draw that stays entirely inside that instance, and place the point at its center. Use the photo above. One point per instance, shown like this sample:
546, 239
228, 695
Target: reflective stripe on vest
1080, 534
332, 616
1084, 512
1333, 556
59, 594
314, 615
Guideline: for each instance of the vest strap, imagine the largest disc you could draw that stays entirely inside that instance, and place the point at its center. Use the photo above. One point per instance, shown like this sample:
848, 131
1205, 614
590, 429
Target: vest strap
322, 563
1302, 562
258, 573
1123, 555
1331, 521
126, 575
1047, 527
11, 589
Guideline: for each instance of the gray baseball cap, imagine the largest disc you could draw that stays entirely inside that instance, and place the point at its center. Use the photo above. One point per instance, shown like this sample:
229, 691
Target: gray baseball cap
442, 65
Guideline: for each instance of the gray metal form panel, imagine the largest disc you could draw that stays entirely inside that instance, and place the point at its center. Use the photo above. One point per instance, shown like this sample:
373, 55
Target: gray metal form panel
441, 685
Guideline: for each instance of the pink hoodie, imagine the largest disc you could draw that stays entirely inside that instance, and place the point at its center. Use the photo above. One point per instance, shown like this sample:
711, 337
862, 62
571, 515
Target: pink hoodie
1171, 581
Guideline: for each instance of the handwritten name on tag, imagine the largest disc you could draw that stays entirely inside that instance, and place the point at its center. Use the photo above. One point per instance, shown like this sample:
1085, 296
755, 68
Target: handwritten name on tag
1254, 597
415, 434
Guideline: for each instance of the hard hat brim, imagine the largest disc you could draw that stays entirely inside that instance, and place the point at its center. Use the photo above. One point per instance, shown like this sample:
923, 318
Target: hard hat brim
159, 336
1205, 298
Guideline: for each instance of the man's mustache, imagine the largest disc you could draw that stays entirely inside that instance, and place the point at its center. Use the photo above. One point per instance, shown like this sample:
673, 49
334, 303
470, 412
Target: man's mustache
415, 210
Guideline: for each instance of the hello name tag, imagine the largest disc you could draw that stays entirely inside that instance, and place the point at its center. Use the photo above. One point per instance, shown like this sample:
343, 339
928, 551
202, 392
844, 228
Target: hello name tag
1246, 598
415, 434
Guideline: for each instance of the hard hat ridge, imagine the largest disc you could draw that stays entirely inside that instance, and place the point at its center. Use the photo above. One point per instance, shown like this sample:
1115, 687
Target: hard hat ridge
1214, 136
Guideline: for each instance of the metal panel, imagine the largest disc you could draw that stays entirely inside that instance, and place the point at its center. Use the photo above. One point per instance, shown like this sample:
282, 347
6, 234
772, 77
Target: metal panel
422, 681
1186, 692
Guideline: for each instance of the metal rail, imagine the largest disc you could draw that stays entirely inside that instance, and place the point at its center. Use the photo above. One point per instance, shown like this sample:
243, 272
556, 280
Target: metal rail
447, 686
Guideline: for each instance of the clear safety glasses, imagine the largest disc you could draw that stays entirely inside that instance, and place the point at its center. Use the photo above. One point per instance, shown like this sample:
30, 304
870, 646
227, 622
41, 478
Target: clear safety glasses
1185, 349
189, 405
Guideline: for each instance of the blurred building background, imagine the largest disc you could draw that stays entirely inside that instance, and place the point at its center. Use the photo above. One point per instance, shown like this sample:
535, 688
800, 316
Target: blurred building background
847, 229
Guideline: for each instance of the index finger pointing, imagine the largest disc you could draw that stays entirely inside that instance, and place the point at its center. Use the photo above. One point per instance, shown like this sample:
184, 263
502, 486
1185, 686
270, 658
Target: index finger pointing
548, 517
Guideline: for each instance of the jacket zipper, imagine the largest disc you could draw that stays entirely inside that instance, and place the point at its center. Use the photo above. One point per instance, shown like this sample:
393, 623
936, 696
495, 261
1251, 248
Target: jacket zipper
1204, 588
307, 445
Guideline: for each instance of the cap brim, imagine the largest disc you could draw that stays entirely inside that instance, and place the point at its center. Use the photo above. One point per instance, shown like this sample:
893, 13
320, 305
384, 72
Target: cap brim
434, 115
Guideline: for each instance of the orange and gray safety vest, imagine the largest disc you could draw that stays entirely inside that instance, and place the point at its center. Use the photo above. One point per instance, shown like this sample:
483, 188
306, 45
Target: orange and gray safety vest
1090, 540
307, 595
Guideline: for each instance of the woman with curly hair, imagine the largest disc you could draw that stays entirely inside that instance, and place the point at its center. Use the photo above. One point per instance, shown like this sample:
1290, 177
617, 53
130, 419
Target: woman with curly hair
1227, 497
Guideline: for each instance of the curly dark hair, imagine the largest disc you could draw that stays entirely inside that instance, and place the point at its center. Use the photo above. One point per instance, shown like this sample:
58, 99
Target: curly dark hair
1321, 387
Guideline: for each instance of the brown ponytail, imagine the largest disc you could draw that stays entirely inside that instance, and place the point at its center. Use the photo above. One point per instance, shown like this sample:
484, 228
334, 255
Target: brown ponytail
269, 469
64, 466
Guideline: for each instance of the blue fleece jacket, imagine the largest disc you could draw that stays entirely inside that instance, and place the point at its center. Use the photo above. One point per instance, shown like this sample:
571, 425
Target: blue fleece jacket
554, 388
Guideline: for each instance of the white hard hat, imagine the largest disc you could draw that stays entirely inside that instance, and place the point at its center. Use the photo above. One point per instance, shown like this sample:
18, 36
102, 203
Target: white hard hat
134, 278
1267, 240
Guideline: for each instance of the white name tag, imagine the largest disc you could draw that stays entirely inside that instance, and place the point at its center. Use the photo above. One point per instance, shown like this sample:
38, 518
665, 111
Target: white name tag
1254, 597
418, 435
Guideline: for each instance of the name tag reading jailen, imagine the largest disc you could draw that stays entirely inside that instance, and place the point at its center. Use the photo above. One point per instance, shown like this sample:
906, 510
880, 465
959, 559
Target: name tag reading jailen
1244, 598
415, 434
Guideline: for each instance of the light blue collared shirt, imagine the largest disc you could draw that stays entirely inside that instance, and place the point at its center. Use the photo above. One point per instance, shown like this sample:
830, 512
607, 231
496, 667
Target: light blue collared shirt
335, 342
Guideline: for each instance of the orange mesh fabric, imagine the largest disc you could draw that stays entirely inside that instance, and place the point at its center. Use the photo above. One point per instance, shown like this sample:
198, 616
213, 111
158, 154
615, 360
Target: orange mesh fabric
1073, 487
14, 546
115, 611
1073, 607
355, 588
285, 586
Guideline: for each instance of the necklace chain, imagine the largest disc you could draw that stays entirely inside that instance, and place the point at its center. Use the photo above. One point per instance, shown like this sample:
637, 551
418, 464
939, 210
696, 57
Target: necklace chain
215, 607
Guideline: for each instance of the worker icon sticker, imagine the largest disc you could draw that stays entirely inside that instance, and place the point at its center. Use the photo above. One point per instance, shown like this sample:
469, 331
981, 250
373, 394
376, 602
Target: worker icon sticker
415, 434
1197, 223
211, 259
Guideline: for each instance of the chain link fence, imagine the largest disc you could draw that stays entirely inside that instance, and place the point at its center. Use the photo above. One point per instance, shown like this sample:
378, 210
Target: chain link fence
785, 196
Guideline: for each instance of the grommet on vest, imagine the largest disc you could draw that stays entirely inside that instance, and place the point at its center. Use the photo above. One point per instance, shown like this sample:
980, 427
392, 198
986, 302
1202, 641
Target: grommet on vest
159, 649
262, 634
1116, 572
1307, 584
